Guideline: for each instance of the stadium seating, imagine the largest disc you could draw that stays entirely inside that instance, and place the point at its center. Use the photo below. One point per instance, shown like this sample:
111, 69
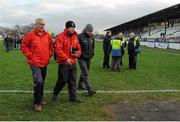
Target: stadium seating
170, 32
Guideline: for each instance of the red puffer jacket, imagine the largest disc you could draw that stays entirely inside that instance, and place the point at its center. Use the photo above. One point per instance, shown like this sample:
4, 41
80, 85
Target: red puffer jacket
64, 44
37, 48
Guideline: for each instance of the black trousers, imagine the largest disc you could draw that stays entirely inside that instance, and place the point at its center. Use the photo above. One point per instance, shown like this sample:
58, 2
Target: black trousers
39, 75
106, 59
121, 61
132, 61
7, 48
66, 74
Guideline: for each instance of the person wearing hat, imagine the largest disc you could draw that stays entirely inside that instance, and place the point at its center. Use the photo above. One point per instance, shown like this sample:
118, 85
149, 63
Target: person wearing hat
133, 50
87, 43
68, 51
37, 47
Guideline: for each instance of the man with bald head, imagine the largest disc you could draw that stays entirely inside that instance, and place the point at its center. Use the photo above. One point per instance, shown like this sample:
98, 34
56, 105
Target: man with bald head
37, 47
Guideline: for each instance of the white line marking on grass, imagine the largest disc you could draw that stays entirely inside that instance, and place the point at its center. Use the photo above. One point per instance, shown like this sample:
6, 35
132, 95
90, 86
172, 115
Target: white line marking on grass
99, 91
172, 53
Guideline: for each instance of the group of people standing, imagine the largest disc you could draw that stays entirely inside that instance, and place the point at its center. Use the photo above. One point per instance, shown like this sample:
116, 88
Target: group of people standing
71, 48
11, 42
116, 48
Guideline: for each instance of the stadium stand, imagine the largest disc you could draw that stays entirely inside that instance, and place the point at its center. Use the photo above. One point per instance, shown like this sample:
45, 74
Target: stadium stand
161, 26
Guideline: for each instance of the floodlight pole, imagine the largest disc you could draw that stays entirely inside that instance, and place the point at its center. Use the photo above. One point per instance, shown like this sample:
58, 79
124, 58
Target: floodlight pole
165, 28
149, 28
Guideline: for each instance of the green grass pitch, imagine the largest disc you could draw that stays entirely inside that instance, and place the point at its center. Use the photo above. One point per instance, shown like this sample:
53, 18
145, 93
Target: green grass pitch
157, 69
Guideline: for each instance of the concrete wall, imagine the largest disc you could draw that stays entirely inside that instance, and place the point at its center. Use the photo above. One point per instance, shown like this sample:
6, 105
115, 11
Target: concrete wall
162, 45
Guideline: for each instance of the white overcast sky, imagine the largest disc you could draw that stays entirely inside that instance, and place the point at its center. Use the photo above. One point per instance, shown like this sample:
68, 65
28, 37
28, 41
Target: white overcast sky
101, 13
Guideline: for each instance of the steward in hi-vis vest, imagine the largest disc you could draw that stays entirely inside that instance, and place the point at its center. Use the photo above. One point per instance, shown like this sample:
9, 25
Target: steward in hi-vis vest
115, 47
123, 41
133, 50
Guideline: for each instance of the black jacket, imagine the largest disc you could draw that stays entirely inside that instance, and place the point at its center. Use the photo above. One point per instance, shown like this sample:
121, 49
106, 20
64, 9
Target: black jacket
106, 43
131, 47
8, 41
87, 46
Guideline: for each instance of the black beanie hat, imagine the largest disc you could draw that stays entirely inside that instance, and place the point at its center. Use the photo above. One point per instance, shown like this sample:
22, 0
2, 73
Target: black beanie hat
70, 24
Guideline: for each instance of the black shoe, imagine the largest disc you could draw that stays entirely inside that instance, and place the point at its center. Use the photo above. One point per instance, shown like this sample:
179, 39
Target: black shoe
54, 97
91, 93
76, 100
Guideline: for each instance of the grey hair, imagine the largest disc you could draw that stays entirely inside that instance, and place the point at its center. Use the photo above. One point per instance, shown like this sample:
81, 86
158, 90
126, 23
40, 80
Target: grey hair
132, 34
38, 19
120, 34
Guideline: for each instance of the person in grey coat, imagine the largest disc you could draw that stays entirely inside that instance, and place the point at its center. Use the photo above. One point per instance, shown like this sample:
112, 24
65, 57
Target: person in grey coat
87, 42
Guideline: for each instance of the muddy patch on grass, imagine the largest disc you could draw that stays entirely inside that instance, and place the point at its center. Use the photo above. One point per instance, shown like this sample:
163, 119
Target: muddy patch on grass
145, 111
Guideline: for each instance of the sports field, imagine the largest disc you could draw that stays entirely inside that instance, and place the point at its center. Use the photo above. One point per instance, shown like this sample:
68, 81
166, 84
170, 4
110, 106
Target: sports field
157, 78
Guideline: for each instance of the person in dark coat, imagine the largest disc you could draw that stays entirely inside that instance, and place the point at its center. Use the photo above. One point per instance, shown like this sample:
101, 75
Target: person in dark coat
18, 43
106, 43
87, 42
8, 41
133, 50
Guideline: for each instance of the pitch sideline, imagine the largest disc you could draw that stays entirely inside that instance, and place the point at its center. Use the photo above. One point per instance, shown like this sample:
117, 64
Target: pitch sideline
100, 91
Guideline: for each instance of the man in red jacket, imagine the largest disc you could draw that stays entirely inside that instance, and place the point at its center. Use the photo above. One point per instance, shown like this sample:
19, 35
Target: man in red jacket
37, 47
67, 50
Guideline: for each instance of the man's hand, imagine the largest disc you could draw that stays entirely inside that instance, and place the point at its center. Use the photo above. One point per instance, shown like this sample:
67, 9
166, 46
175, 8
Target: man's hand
74, 55
68, 61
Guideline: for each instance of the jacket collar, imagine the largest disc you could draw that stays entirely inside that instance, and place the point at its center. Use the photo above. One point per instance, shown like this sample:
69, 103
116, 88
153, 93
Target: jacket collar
108, 36
66, 31
37, 32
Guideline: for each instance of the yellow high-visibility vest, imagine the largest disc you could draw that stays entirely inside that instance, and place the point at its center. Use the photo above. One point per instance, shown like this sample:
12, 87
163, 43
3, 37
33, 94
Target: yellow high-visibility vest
135, 40
116, 44
123, 40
